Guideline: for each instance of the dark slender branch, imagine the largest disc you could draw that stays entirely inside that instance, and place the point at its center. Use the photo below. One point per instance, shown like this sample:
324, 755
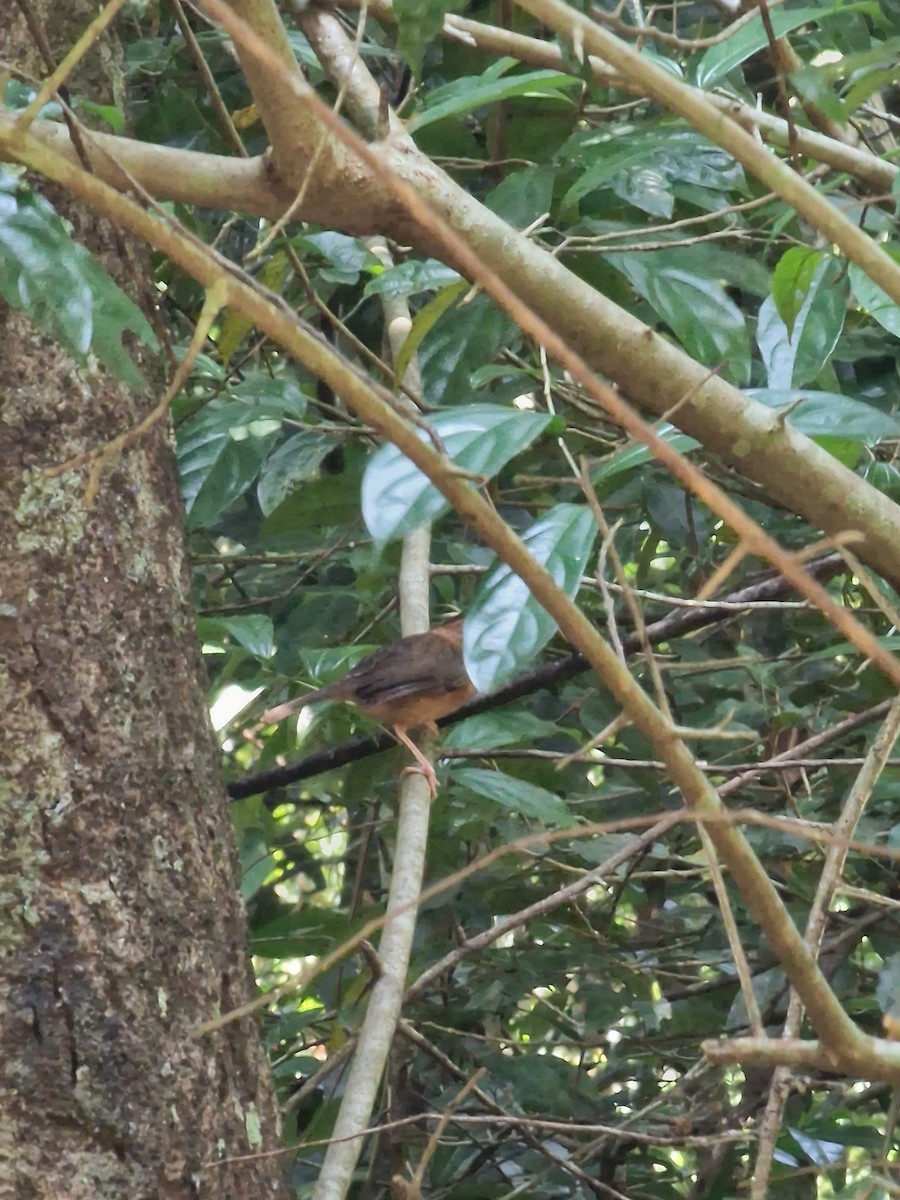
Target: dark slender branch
676, 624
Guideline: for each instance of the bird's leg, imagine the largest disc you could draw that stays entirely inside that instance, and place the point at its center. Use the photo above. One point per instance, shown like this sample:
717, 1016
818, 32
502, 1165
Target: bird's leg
424, 766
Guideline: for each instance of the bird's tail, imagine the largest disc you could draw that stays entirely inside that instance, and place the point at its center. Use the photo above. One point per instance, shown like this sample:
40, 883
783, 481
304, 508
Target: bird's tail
273, 715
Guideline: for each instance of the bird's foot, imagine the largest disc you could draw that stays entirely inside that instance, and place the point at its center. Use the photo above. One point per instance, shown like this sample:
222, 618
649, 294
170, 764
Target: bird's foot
428, 771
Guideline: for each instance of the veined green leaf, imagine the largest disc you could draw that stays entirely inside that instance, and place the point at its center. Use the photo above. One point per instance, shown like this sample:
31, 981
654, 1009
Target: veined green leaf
397, 497
506, 626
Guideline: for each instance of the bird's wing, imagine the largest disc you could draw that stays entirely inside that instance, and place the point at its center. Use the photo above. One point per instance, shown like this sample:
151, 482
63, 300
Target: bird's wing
419, 665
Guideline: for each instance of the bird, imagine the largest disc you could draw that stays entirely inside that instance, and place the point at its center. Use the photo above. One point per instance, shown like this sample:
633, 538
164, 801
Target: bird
408, 684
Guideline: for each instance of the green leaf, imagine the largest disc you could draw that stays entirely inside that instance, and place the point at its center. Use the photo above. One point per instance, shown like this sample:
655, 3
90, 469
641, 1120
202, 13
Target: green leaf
885, 476
657, 159
791, 282
307, 931
505, 626
396, 496
257, 863
847, 451
646, 188
673, 515
523, 196
59, 285
823, 1153
636, 455
795, 357
466, 337
887, 991
849, 651
425, 320
877, 303
254, 632
280, 394
670, 65
220, 450
346, 256
234, 327
475, 91
408, 278
294, 462
721, 59
607, 161
418, 23
112, 116
491, 730
319, 504
705, 320
821, 82
830, 414
516, 795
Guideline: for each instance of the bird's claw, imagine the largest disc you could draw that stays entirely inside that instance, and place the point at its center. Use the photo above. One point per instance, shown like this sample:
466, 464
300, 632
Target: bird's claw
429, 774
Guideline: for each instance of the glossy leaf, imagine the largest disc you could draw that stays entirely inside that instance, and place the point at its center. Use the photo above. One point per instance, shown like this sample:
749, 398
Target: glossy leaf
818, 1150
847, 451
885, 476
636, 455
464, 338
705, 320
862, 72
887, 991
523, 196
607, 163
346, 257
219, 452
257, 863
795, 357
409, 278
646, 188
791, 282
425, 320
59, 285
830, 414
719, 60
319, 504
465, 95
491, 730
661, 158
506, 627
279, 394
253, 631
481, 438
877, 303
291, 464
516, 795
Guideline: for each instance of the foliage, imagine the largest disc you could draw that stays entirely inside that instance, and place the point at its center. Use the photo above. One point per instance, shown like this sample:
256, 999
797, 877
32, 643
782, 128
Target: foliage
59, 284
587, 1018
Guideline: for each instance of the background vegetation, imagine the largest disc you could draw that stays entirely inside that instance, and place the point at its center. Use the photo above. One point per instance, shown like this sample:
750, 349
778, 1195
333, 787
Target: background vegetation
569, 973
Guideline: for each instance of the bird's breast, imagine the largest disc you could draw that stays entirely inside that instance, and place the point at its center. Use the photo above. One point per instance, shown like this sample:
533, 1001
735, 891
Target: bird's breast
412, 711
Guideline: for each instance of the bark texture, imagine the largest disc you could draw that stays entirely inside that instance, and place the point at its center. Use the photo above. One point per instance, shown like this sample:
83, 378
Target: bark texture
121, 925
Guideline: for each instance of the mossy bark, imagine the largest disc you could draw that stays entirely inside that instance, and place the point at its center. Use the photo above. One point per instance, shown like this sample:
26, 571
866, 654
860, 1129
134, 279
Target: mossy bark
122, 927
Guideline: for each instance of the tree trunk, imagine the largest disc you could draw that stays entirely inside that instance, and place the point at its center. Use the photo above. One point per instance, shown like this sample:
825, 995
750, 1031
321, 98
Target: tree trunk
123, 928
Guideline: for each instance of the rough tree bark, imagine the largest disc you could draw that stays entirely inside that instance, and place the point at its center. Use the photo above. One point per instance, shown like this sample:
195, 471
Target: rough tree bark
122, 928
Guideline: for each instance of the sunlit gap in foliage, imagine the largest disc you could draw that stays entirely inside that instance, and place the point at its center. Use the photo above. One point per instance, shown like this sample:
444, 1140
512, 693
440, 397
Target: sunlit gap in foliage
231, 701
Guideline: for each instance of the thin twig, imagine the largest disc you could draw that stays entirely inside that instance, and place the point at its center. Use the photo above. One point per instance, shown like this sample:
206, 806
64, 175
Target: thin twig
99, 458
